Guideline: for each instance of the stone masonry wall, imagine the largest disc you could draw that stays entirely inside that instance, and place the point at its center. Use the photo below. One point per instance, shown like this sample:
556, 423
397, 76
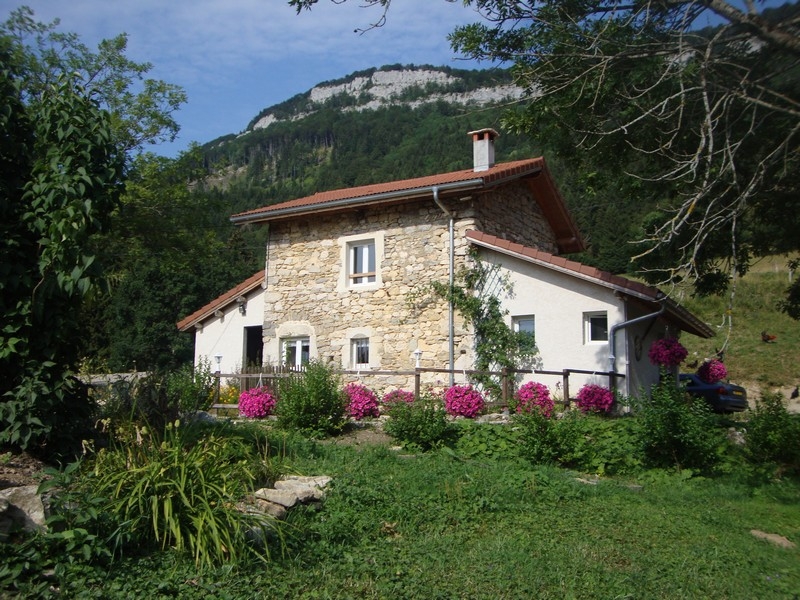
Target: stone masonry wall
513, 214
308, 295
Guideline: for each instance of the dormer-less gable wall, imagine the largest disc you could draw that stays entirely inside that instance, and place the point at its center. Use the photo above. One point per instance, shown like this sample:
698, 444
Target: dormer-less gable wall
512, 213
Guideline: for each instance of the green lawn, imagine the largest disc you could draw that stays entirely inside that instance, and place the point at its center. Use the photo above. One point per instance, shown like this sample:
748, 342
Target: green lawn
438, 525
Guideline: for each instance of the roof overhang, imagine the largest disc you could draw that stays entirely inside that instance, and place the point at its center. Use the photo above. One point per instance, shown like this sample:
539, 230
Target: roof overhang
222, 301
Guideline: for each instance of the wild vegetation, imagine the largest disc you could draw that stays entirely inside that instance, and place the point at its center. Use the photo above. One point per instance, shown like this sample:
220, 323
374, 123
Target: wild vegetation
587, 503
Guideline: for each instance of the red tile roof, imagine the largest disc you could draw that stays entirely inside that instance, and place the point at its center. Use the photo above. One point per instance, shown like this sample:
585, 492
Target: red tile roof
682, 317
410, 187
550, 200
221, 301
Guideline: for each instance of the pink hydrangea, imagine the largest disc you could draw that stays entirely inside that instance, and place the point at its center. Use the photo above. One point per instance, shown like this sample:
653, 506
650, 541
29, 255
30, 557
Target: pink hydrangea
463, 401
594, 398
256, 403
667, 352
534, 396
398, 396
362, 401
712, 371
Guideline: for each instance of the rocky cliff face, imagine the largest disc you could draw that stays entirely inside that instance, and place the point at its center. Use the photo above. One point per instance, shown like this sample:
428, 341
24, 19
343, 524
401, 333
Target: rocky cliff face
409, 87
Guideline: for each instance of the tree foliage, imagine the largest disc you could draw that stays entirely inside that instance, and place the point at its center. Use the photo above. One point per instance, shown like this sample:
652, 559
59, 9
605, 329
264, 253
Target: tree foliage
69, 118
171, 249
696, 103
141, 108
60, 181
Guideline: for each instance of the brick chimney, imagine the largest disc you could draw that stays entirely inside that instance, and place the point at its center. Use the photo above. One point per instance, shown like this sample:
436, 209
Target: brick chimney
483, 148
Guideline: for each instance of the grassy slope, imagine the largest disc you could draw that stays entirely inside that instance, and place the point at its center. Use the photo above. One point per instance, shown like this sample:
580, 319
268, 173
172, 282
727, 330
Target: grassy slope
437, 526
750, 361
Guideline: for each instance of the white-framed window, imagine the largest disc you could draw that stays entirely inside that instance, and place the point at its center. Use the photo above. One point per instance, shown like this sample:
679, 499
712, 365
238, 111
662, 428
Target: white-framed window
361, 262
524, 324
595, 327
296, 351
359, 352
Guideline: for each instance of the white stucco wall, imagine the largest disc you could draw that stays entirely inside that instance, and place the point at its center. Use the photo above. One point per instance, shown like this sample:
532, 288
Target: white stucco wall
558, 302
225, 335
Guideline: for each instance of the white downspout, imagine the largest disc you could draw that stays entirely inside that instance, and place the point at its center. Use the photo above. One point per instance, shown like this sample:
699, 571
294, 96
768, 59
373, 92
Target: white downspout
450, 315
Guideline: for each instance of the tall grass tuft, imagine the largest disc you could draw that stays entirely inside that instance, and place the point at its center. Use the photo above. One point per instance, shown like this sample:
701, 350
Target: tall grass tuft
180, 490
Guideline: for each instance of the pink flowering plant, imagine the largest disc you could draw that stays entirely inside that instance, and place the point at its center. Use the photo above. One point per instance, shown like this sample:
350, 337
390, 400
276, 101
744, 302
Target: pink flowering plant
256, 403
594, 398
667, 352
463, 401
712, 371
534, 396
398, 396
362, 401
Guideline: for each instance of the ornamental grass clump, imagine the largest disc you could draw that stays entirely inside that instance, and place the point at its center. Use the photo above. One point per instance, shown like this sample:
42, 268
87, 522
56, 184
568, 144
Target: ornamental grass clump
256, 403
594, 398
667, 353
394, 396
712, 371
534, 396
463, 401
362, 401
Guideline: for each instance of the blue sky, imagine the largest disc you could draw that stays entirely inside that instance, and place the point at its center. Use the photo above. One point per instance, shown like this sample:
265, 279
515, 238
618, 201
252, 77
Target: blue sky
237, 57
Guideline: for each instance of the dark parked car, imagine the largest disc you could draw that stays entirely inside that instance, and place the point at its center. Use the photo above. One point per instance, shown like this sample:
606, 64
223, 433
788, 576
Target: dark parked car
723, 397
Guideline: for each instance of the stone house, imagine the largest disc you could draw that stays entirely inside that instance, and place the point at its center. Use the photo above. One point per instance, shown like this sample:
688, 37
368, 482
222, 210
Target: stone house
345, 268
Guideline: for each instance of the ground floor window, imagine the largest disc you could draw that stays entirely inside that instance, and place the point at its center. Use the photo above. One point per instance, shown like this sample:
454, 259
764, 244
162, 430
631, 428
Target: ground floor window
595, 325
296, 351
359, 353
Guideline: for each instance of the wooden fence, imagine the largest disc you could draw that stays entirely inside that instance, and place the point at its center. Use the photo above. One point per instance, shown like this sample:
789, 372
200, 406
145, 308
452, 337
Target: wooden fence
270, 376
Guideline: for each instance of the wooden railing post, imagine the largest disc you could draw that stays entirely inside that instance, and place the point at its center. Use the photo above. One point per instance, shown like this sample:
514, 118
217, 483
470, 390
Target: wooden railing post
565, 384
504, 386
417, 384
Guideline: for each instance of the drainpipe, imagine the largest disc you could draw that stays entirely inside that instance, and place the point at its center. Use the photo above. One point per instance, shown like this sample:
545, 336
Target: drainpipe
450, 315
612, 359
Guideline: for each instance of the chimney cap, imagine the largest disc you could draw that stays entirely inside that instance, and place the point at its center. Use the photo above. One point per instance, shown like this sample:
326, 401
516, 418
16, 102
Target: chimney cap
486, 130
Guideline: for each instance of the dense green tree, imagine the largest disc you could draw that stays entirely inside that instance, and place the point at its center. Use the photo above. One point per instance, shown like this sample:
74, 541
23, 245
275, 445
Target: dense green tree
59, 181
170, 250
68, 118
703, 121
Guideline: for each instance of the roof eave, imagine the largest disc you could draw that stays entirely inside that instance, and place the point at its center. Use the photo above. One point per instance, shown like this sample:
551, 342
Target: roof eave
345, 203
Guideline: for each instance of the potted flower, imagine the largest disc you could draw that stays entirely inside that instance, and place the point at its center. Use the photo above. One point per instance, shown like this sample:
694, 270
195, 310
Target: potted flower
667, 353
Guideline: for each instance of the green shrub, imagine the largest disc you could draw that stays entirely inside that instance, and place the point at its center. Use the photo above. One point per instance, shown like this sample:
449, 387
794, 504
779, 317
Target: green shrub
677, 430
420, 425
550, 441
164, 491
773, 434
191, 389
312, 402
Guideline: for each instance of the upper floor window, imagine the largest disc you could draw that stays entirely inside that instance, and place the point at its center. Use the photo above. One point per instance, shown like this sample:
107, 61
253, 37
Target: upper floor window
362, 262
361, 257
595, 326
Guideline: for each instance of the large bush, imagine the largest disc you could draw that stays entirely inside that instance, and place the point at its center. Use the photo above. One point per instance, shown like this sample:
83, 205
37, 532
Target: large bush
677, 430
312, 402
